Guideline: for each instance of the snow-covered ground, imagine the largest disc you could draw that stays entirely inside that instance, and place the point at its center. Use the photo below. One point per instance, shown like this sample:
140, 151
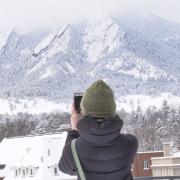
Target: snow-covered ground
128, 103
131, 102
32, 106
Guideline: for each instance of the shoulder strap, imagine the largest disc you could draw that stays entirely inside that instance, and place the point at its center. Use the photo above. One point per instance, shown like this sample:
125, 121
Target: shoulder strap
77, 161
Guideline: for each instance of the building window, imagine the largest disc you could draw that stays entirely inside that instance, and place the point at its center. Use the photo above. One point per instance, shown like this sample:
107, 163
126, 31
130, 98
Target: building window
16, 173
131, 167
56, 171
23, 172
146, 164
19, 170
27, 170
31, 172
2, 166
49, 152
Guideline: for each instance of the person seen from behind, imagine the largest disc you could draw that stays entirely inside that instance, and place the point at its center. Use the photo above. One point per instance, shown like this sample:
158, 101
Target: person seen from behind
104, 152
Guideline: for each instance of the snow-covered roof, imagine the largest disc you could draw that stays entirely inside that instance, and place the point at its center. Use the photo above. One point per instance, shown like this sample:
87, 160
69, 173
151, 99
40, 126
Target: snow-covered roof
22, 149
166, 157
176, 154
146, 152
41, 151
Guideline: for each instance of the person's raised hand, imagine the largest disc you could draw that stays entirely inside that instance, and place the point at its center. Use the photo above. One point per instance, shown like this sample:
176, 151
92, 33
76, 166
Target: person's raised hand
75, 117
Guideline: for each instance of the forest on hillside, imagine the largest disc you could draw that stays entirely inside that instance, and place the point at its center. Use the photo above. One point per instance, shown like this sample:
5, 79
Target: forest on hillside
152, 127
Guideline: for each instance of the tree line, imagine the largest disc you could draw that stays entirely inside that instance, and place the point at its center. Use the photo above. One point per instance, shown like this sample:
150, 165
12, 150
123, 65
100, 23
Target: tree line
152, 127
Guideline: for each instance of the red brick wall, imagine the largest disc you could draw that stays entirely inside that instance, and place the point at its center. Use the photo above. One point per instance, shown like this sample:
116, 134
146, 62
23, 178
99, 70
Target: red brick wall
138, 165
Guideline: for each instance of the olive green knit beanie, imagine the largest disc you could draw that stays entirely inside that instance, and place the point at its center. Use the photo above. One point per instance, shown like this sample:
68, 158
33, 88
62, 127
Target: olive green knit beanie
98, 101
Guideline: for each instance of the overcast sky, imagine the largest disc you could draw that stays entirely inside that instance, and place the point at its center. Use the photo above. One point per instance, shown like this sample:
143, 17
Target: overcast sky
24, 13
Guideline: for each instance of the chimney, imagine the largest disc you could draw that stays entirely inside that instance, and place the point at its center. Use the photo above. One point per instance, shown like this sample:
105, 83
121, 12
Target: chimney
167, 149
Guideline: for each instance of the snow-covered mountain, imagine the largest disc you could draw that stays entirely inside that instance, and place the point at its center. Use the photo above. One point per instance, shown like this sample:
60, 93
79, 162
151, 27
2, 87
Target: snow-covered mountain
135, 54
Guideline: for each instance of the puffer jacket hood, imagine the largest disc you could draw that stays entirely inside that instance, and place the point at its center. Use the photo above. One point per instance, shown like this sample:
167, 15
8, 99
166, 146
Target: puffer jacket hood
100, 131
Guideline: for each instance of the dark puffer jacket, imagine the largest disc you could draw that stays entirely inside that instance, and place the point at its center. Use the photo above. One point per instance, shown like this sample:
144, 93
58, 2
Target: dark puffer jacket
104, 152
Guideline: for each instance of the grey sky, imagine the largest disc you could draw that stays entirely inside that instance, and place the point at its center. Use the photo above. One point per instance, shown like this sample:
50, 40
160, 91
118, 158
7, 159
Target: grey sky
27, 13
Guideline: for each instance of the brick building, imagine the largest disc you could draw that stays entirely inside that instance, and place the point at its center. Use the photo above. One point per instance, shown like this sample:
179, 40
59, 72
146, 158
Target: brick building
142, 163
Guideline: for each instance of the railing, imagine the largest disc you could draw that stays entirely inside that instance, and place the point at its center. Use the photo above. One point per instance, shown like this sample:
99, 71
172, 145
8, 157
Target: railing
158, 177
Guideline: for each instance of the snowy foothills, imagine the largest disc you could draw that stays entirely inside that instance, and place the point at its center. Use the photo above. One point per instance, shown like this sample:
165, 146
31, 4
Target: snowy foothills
138, 55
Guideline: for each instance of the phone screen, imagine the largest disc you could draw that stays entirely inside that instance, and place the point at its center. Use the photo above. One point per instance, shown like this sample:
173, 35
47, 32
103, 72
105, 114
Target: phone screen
77, 101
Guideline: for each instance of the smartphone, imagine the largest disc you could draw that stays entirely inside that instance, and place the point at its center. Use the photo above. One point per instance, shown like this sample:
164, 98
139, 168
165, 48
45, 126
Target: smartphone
77, 101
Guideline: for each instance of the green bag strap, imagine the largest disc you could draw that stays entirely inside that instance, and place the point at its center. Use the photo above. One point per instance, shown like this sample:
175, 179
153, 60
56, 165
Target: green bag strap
76, 158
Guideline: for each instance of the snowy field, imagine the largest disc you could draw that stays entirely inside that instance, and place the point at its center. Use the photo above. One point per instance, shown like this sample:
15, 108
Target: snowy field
131, 102
32, 106
128, 103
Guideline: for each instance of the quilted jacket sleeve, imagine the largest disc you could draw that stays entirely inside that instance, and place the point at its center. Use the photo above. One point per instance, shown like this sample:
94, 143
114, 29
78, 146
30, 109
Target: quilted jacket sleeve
66, 162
